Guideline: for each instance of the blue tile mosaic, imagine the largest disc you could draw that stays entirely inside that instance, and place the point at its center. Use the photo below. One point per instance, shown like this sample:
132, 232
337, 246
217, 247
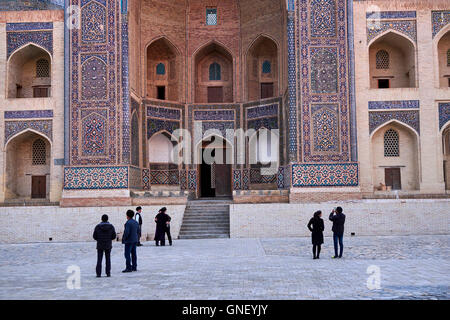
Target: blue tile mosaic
29, 26
444, 114
401, 104
440, 19
409, 117
29, 114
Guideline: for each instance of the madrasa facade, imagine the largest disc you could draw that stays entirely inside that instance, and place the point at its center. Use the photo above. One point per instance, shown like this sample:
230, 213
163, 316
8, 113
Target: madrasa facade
95, 94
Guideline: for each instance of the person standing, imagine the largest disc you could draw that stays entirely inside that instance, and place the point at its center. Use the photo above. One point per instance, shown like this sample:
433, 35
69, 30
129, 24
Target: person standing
316, 226
130, 239
169, 237
338, 219
104, 234
161, 225
138, 218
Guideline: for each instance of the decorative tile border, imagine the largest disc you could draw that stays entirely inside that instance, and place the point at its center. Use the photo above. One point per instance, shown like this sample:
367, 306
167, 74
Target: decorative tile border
410, 117
406, 104
163, 113
86, 178
262, 111
42, 126
26, 5
325, 175
28, 114
391, 15
135, 178
444, 114
146, 179
439, 20
405, 27
16, 40
214, 115
29, 26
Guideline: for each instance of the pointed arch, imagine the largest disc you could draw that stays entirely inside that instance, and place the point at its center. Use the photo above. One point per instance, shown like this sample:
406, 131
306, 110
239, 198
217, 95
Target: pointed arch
25, 131
403, 124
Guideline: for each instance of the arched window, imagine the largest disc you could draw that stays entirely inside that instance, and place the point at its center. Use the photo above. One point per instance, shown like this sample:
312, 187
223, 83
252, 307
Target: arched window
42, 68
214, 71
391, 143
448, 58
382, 60
161, 69
38, 152
266, 67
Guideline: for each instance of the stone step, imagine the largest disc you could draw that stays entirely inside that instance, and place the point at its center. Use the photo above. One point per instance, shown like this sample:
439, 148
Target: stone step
205, 236
202, 228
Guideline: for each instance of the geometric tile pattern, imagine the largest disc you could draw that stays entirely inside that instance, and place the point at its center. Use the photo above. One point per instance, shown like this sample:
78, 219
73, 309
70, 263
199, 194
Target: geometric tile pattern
409, 117
444, 114
237, 177
405, 27
82, 178
257, 177
94, 135
146, 179
14, 127
93, 81
16, 40
156, 125
93, 22
167, 177
29, 26
325, 119
29, 114
262, 111
391, 15
439, 20
406, 104
325, 175
323, 18
292, 86
192, 180
322, 76
324, 70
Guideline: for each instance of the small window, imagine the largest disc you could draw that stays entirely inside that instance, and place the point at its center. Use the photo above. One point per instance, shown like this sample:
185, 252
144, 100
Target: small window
161, 69
39, 153
161, 92
391, 143
214, 72
42, 68
383, 84
211, 16
382, 60
266, 67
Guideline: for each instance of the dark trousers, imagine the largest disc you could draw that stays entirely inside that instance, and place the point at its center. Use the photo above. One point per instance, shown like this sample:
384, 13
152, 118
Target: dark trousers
162, 242
98, 269
316, 250
130, 256
340, 238
168, 235
139, 234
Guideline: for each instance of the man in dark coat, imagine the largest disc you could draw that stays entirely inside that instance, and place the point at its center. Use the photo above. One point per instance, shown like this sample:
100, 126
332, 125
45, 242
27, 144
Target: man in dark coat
161, 227
138, 218
104, 233
169, 237
130, 239
338, 219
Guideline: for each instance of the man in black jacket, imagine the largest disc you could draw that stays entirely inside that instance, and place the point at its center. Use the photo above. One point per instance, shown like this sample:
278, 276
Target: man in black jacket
104, 233
338, 219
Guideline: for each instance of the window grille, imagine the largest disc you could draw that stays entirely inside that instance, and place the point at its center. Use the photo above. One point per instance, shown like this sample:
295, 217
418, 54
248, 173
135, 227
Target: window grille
161, 69
211, 16
382, 59
42, 68
214, 71
39, 152
266, 67
391, 143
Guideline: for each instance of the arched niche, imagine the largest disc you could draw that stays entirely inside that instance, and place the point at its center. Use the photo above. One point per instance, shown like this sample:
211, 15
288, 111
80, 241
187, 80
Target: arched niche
217, 86
163, 70
29, 73
443, 51
400, 69
262, 69
390, 165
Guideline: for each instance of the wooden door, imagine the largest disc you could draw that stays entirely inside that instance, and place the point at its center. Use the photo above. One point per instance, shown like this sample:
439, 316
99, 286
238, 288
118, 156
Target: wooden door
223, 180
266, 90
392, 178
38, 187
215, 94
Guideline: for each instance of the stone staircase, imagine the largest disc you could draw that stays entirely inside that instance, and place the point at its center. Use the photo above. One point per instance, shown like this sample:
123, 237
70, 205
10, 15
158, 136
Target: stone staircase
205, 220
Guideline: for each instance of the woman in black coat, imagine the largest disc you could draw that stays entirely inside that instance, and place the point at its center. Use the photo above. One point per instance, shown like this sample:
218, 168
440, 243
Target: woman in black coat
161, 222
316, 226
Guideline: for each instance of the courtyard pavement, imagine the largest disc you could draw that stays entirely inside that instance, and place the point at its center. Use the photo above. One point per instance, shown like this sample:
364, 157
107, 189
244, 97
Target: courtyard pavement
410, 267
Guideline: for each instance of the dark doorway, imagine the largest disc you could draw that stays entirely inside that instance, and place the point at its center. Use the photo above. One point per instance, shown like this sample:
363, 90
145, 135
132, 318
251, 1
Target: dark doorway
266, 90
161, 92
215, 179
38, 187
383, 84
215, 94
392, 178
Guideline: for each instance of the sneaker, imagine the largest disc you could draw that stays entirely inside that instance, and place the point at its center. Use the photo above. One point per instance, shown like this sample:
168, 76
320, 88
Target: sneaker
335, 257
126, 270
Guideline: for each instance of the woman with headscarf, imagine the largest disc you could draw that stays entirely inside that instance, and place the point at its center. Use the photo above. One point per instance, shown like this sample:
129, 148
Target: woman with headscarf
316, 227
161, 225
